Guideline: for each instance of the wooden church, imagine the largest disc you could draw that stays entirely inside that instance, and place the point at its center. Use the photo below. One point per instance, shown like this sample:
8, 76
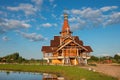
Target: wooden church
66, 49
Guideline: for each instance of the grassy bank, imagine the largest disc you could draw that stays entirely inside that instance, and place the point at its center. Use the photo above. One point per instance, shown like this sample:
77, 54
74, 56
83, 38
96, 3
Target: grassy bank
70, 73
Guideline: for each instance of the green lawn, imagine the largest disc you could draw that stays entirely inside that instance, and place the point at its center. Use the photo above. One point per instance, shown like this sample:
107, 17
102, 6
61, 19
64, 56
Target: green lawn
69, 72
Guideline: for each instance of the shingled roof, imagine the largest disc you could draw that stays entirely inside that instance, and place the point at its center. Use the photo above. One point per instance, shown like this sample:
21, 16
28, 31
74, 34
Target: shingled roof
88, 48
48, 49
56, 42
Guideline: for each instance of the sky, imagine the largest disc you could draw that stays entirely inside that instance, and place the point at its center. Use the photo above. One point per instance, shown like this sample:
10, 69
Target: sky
27, 25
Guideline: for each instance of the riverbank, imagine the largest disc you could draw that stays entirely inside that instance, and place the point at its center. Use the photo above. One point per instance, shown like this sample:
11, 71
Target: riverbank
109, 69
70, 73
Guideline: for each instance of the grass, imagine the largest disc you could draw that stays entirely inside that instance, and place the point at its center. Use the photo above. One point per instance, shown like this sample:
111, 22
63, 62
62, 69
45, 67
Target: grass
70, 73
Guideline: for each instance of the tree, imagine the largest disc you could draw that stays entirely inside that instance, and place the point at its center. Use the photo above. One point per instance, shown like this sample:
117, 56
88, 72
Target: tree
93, 59
20, 60
13, 58
117, 58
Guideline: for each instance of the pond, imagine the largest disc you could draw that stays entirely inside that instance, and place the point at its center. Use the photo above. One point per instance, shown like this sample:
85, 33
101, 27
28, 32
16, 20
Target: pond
11, 75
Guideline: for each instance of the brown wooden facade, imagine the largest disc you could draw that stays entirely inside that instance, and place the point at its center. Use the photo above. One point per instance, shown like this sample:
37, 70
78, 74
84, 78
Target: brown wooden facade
66, 49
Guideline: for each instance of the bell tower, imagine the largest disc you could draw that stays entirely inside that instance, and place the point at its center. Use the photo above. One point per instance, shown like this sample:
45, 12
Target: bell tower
65, 28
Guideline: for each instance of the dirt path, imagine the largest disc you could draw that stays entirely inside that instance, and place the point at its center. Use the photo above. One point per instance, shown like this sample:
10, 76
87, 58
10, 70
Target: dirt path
109, 69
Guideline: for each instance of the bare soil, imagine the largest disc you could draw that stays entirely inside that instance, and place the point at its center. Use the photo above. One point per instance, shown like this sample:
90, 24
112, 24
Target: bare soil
109, 69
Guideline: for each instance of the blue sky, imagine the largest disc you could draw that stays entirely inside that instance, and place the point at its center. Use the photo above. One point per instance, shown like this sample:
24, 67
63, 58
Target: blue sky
27, 25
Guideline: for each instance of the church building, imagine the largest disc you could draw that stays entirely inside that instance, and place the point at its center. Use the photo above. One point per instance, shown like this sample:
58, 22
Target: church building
66, 49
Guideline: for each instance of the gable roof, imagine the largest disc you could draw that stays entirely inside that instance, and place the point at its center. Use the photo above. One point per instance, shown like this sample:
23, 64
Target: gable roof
55, 45
63, 45
76, 38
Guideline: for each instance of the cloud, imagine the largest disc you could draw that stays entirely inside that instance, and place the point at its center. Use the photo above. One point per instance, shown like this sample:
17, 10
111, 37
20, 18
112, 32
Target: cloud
28, 9
51, 1
73, 19
113, 19
42, 17
38, 2
5, 38
6, 24
118, 54
74, 11
32, 36
92, 17
107, 8
88, 15
48, 25
81, 24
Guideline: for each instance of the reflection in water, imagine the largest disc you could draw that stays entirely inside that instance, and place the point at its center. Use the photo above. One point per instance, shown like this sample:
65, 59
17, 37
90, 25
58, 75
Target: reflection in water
47, 76
7, 72
10, 75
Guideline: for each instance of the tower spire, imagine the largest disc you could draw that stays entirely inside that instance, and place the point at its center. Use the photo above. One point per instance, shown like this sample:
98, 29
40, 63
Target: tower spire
65, 23
65, 27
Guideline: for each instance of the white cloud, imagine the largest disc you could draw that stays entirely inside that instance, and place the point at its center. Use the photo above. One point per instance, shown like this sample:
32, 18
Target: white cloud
38, 2
107, 8
72, 19
75, 11
11, 24
113, 19
80, 24
28, 9
92, 17
5, 38
90, 13
66, 11
32, 36
49, 25
46, 25
17, 24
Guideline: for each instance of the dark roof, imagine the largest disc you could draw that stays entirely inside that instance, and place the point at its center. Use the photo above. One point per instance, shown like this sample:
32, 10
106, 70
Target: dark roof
48, 49
76, 38
56, 42
88, 48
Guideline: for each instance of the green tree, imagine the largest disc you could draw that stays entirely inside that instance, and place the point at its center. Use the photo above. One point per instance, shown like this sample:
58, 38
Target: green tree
93, 59
117, 58
13, 58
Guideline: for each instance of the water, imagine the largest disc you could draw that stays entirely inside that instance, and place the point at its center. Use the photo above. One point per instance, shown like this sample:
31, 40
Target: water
20, 76
10, 75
